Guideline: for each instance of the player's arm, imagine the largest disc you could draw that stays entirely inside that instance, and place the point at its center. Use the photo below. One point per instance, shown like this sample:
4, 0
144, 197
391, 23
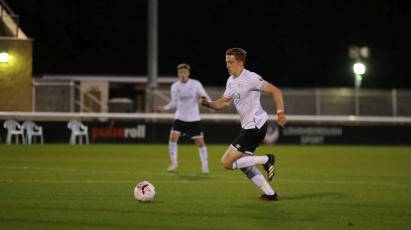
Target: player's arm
278, 101
171, 105
203, 94
219, 104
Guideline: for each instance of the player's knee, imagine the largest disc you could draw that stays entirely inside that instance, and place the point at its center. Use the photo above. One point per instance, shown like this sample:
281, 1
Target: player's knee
173, 139
200, 144
227, 165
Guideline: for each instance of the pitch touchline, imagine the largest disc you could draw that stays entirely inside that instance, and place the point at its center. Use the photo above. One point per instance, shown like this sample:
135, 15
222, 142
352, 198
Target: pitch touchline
231, 181
226, 179
344, 182
108, 181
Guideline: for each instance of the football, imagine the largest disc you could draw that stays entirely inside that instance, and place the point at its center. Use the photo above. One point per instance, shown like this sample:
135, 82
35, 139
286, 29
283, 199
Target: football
144, 191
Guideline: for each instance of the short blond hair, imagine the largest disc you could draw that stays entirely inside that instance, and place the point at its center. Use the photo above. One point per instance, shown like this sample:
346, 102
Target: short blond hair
183, 66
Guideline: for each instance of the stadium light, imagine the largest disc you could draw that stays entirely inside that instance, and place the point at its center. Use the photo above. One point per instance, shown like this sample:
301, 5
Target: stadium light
4, 57
359, 68
358, 53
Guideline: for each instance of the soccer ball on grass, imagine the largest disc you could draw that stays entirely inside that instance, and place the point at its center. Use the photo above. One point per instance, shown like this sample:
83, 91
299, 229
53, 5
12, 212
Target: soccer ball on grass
144, 191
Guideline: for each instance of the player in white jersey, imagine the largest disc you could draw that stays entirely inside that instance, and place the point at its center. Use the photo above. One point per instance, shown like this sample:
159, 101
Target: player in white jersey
244, 89
185, 95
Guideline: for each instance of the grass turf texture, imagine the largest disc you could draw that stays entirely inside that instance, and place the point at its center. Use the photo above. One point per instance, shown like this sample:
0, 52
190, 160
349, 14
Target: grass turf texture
91, 187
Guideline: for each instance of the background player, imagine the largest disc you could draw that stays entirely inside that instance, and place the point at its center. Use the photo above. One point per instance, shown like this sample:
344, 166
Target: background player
185, 95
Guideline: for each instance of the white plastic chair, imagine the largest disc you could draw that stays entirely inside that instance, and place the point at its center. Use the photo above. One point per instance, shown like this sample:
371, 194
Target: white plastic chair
14, 129
78, 130
32, 130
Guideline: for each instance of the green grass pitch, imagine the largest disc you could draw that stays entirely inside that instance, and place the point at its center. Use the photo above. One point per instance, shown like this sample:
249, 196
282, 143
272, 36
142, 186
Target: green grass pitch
91, 187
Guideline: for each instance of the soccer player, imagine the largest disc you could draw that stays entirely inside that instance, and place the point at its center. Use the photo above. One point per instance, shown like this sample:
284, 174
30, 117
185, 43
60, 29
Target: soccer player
244, 89
185, 95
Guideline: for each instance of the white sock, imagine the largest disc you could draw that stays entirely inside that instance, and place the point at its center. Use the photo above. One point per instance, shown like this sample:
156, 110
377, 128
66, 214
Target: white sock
172, 152
248, 161
260, 181
202, 152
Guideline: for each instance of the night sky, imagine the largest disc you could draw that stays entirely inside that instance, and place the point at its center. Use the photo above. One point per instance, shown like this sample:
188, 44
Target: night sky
290, 43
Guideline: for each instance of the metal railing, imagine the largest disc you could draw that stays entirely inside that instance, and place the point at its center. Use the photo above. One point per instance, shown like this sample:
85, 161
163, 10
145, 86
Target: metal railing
331, 101
61, 96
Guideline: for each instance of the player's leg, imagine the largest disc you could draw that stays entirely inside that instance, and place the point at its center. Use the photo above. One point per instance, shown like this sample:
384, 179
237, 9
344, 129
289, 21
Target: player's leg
247, 142
195, 132
253, 174
172, 145
234, 158
172, 150
203, 153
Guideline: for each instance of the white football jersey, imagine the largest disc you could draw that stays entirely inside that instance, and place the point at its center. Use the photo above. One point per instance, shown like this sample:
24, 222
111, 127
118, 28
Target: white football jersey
184, 97
245, 92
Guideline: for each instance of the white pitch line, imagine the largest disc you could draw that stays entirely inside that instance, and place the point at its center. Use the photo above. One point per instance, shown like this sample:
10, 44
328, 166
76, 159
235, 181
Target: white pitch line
90, 171
113, 181
345, 182
223, 179
231, 181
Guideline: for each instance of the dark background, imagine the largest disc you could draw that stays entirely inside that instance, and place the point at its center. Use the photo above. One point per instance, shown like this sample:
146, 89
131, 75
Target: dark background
290, 43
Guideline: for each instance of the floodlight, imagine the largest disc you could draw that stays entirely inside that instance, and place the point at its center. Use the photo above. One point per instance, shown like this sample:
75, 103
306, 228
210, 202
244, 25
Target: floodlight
4, 57
359, 68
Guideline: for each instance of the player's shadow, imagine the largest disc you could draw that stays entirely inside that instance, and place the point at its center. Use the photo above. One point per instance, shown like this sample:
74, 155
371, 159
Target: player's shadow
312, 195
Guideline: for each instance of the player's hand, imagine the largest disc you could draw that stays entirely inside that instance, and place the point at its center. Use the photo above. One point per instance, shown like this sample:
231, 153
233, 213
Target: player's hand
159, 109
203, 101
281, 120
